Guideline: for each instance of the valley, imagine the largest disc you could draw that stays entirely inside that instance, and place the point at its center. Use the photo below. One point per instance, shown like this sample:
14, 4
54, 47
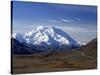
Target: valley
80, 59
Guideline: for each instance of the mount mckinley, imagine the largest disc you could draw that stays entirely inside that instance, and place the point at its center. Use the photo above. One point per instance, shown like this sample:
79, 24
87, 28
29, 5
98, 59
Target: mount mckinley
42, 39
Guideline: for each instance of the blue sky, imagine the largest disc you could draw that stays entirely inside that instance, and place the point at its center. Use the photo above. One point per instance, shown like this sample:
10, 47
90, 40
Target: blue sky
78, 21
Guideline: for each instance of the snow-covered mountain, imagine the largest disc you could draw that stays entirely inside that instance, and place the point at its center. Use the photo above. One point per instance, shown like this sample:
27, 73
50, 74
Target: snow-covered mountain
47, 38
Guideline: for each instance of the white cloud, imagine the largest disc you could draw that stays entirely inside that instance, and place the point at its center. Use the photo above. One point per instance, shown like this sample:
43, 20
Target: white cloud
64, 20
71, 20
53, 20
67, 20
78, 19
60, 20
77, 29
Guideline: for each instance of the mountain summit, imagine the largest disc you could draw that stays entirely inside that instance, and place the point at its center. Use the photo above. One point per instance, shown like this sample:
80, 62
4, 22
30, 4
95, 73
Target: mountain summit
47, 38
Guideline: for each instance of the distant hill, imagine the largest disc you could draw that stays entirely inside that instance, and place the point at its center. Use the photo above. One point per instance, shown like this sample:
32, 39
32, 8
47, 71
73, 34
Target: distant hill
82, 57
90, 49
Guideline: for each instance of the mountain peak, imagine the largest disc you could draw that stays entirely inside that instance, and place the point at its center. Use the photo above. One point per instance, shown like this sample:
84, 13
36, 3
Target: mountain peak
47, 37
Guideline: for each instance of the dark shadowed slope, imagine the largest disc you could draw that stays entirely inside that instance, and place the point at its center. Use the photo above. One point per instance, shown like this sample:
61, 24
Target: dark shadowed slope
19, 48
